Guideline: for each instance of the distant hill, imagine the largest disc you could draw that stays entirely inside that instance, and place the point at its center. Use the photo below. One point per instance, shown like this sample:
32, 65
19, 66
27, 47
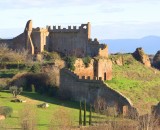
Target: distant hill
150, 44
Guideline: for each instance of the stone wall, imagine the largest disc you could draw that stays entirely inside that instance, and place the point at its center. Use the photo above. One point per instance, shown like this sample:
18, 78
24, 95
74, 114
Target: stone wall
82, 70
98, 68
84, 89
104, 68
69, 41
140, 55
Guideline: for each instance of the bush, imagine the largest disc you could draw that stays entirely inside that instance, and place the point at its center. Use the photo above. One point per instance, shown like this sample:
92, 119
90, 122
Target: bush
70, 61
33, 88
15, 90
86, 61
36, 68
6, 111
51, 56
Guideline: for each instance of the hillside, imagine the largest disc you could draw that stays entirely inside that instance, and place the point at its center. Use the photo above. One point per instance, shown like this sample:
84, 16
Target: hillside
139, 83
150, 44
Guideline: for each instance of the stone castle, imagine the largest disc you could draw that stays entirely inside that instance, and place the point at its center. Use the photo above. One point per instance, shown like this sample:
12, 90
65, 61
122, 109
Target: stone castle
85, 83
71, 42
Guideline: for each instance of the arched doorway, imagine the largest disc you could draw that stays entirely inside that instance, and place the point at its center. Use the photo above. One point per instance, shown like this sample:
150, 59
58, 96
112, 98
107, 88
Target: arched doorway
105, 76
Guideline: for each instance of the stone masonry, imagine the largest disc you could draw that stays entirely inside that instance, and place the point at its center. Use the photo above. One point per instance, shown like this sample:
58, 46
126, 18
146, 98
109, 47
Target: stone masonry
69, 41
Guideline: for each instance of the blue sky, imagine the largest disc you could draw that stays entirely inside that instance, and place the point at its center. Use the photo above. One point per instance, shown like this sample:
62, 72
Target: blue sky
110, 19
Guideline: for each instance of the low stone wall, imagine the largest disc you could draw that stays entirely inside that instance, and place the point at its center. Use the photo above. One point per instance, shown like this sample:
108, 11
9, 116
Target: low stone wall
90, 90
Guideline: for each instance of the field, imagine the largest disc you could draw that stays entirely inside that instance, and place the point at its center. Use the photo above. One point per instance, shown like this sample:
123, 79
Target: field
43, 116
137, 82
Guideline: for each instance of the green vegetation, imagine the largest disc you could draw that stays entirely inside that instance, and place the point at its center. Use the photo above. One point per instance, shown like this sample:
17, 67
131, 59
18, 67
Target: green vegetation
137, 82
43, 116
51, 56
6, 111
80, 114
84, 118
86, 60
70, 61
90, 115
15, 90
36, 68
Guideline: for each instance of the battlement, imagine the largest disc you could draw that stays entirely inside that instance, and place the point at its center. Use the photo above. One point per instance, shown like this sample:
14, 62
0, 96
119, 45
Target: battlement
83, 27
94, 42
39, 29
83, 78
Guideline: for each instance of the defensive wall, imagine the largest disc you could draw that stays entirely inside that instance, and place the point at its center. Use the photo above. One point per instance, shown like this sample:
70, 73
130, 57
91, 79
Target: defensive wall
83, 88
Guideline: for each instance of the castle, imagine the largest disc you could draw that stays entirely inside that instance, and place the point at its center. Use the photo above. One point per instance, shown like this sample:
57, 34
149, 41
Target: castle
71, 42
85, 83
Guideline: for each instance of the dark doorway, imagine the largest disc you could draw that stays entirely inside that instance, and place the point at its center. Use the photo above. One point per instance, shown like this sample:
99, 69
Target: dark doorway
105, 76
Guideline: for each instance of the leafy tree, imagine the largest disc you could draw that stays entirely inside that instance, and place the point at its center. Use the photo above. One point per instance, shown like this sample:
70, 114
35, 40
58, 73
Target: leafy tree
15, 90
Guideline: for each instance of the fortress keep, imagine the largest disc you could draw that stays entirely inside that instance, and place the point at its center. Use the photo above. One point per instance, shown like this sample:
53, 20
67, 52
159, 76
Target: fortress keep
69, 41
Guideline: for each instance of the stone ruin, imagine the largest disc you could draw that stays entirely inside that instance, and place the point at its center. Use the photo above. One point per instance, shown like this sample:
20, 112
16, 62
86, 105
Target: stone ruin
156, 60
140, 55
71, 41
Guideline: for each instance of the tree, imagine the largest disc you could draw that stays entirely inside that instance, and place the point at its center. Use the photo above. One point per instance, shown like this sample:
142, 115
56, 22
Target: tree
90, 115
15, 90
84, 120
80, 114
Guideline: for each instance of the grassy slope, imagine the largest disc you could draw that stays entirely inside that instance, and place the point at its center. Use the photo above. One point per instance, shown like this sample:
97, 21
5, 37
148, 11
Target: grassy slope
44, 116
137, 82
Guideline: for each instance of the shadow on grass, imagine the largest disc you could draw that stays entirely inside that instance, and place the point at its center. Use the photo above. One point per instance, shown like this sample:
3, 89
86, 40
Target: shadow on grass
51, 100
42, 125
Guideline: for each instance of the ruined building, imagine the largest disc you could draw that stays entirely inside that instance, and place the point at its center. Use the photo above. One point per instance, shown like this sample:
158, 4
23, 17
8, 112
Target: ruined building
71, 41
85, 83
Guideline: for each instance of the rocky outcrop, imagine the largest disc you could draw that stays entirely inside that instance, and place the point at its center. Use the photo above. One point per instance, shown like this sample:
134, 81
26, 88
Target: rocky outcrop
140, 55
156, 60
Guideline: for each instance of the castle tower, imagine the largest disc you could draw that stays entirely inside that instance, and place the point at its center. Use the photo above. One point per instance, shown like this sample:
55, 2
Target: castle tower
89, 30
27, 31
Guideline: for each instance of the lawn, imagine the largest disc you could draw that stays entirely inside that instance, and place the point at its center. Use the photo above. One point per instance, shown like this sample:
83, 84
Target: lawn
43, 116
139, 83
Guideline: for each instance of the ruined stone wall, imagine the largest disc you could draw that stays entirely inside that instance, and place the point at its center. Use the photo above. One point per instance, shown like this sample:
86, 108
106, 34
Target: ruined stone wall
104, 68
94, 48
81, 89
17, 43
69, 41
82, 70
39, 39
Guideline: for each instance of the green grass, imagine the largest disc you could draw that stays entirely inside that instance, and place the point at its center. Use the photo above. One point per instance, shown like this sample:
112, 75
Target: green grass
43, 115
139, 83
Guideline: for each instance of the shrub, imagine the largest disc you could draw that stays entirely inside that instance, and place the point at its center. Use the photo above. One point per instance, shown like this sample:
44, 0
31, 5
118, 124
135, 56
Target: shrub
33, 88
51, 56
6, 111
36, 68
86, 61
15, 90
28, 118
70, 61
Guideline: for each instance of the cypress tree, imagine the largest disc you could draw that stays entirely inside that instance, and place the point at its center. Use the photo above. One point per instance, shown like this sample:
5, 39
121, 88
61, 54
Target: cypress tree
90, 115
84, 120
80, 114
